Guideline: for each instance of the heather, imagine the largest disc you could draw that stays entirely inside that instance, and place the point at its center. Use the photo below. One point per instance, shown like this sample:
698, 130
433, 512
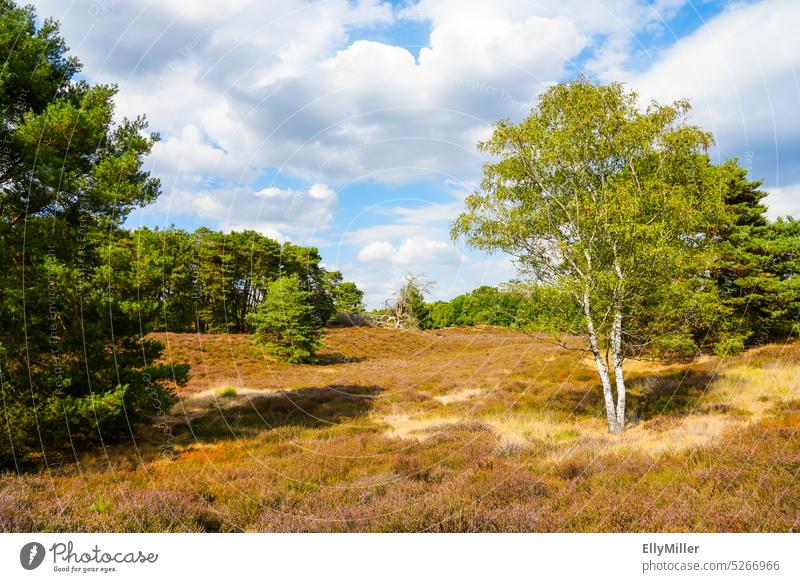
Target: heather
412, 431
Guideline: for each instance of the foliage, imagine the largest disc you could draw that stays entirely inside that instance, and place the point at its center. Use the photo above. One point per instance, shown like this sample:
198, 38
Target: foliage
408, 307
73, 365
732, 345
607, 204
286, 322
210, 281
757, 266
418, 312
348, 298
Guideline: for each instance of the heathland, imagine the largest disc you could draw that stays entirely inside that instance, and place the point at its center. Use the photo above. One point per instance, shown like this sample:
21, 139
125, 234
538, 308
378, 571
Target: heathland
461, 429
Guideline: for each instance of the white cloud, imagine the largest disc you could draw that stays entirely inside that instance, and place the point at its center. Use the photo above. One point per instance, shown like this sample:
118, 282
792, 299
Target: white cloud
609, 27
740, 71
281, 84
783, 201
188, 155
414, 252
377, 251
382, 265
407, 117
394, 231
206, 66
280, 213
253, 85
430, 213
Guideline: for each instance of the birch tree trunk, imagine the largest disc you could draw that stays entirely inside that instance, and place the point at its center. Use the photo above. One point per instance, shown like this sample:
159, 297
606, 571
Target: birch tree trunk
602, 370
619, 377
616, 343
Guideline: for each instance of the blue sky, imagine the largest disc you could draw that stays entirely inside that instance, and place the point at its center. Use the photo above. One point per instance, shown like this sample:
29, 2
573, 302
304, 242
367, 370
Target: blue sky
351, 126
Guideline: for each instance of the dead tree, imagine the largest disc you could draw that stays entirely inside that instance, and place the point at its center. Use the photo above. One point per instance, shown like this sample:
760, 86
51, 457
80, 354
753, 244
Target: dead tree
400, 306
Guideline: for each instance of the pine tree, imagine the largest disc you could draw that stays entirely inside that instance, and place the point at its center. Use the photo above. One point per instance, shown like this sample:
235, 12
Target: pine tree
758, 266
75, 365
286, 322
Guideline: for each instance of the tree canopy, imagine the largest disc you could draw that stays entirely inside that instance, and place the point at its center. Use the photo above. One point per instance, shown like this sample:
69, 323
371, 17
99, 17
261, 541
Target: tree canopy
74, 364
286, 323
609, 203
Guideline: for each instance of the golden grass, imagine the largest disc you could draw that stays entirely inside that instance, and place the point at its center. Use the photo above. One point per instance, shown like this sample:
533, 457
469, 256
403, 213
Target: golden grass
458, 395
756, 389
740, 386
456, 430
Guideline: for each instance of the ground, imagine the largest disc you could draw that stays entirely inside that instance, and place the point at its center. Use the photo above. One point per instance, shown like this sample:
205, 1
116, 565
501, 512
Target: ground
455, 430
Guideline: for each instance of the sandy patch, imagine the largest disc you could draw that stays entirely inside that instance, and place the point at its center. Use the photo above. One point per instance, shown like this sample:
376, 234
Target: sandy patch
419, 428
678, 434
458, 396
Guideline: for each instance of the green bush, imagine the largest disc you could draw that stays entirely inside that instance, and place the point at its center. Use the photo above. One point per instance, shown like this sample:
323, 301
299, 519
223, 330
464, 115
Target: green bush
675, 346
58, 425
348, 298
286, 323
732, 345
442, 314
420, 312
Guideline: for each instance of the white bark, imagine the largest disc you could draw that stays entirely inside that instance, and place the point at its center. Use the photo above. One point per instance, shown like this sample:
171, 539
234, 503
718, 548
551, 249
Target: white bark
616, 345
602, 370
619, 377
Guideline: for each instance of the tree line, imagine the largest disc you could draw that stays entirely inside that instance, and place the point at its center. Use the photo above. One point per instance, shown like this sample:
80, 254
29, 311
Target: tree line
79, 294
210, 281
748, 295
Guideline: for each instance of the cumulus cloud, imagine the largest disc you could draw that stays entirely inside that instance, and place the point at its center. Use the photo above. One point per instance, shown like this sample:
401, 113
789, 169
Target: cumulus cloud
284, 85
426, 214
411, 117
194, 66
783, 201
416, 251
377, 251
279, 213
187, 155
740, 71
411, 253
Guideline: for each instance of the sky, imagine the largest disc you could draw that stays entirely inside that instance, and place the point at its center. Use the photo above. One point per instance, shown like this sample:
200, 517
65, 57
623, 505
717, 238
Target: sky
352, 126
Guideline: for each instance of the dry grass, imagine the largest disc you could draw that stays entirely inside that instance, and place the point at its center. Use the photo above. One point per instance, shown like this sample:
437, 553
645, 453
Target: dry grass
457, 430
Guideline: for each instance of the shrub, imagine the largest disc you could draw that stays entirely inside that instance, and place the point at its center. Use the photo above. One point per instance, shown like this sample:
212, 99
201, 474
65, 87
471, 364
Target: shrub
60, 424
285, 322
675, 346
442, 314
348, 298
732, 345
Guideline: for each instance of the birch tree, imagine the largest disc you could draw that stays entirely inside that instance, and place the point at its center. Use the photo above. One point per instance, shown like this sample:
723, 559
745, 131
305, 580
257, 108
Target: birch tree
607, 203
